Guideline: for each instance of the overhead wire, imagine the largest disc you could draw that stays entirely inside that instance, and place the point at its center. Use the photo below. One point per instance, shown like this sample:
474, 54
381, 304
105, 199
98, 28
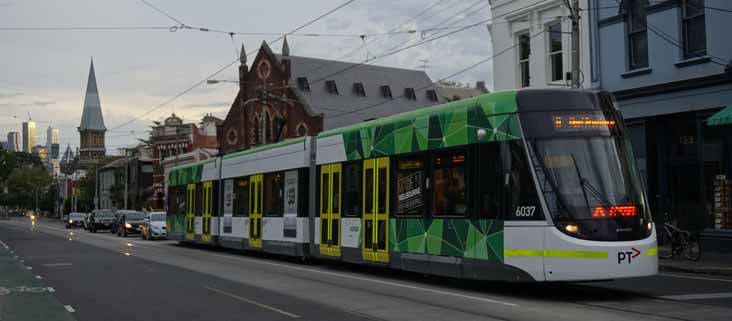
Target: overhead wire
461, 71
198, 83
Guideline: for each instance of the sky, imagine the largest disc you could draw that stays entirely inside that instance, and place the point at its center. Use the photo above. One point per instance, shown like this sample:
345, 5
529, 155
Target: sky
44, 73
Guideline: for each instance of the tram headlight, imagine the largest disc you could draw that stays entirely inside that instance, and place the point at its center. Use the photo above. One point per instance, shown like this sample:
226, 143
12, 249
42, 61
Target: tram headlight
571, 228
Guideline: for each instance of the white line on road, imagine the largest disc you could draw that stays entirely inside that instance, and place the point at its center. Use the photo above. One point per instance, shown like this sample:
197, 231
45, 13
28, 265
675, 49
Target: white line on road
29, 268
38, 277
702, 296
50, 289
69, 308
56, 264
353, 277
693, 277
261, 305
396, 284
5, 246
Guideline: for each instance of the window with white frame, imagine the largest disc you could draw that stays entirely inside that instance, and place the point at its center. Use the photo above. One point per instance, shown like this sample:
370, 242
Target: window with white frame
694, 26
637, 34
524, 46
556, 69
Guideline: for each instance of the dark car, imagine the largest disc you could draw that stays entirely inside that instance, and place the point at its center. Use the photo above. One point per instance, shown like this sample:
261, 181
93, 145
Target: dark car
100, 220
75, 220
129, 222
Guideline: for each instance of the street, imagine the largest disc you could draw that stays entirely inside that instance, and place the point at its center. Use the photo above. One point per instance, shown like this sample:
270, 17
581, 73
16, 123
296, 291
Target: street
104, 277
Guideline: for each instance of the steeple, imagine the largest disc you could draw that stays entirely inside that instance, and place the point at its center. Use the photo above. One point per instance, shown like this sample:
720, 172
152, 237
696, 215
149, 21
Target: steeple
91, 117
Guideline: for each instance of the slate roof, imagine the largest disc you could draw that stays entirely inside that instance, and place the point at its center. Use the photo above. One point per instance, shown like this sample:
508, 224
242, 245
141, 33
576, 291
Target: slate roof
337, 107
91, 117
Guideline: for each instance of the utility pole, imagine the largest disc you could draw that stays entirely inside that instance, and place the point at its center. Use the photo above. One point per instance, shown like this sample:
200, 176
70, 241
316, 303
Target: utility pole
96, 187
126, 183
575, 17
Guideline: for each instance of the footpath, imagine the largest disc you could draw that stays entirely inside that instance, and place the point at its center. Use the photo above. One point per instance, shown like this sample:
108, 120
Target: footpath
22, 296
713, 263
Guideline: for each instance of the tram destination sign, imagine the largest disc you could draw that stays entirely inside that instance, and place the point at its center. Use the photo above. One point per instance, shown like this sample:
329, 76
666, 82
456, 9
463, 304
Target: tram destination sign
582, 122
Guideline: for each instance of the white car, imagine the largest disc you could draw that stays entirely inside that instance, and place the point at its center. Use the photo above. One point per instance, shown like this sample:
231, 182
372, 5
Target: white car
154, 226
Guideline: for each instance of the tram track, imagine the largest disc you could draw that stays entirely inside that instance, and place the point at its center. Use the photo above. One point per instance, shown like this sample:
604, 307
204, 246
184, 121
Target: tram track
381, 287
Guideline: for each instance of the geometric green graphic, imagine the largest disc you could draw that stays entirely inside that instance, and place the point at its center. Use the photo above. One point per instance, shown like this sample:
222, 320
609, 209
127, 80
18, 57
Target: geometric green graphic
448, 125
185, 175
476, 239
174, 224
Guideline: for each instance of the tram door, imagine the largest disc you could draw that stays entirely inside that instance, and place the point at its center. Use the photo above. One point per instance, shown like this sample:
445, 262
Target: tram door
330, 210
255, 211
207, 209
376, 210
190, 212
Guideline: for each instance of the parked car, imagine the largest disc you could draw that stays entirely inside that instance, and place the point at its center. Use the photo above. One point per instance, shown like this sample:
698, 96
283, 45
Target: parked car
154, 226
75, 220
100, 220
128, 222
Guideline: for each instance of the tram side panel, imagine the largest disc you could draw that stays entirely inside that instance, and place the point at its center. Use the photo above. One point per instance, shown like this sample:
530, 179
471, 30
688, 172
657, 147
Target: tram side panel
265, 199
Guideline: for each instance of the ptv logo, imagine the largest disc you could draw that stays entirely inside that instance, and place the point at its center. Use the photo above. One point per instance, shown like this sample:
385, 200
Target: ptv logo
628, 256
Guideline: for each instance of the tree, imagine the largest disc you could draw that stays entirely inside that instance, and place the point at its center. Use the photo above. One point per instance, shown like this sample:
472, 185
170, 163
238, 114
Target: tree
27, 183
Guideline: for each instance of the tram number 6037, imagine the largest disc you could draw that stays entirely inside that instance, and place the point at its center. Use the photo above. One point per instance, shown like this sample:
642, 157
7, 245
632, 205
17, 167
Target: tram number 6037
525, 211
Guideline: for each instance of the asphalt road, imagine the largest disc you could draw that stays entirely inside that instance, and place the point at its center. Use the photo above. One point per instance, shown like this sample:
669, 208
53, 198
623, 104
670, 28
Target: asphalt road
104, 277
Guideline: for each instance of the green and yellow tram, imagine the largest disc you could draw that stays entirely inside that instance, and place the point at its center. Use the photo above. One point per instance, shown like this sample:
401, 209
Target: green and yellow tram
525, 185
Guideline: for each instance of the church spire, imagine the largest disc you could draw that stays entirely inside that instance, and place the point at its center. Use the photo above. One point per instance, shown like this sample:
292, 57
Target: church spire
91, 117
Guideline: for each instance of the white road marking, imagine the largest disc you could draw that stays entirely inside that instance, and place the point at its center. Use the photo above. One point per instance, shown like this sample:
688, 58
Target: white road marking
693, 277
701, 296
56, 264
5, 246
50, 289
365, 279
69, 308
261, 305
38, 277
29, 268
396, 284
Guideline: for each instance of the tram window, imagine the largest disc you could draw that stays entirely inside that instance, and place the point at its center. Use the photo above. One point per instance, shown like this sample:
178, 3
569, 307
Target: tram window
241, 197
336, 193
449, 185
369, 191
352, 189
273, 194
324, 192
522, 198
199, 199
181, 199
381, 185
410, 190
491, 182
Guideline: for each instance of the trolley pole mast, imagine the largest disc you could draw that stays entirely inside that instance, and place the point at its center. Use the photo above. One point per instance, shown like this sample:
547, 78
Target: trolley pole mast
575, 17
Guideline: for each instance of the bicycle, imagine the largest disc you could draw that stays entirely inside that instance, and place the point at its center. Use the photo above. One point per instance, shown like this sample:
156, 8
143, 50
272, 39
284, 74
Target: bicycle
673, 241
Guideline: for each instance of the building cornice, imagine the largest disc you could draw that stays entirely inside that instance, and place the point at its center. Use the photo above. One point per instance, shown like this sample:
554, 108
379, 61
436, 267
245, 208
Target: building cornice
674, 86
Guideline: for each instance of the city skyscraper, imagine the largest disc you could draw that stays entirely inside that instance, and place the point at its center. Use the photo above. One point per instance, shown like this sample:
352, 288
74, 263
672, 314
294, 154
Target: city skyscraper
52, 136
29, 136
13, 141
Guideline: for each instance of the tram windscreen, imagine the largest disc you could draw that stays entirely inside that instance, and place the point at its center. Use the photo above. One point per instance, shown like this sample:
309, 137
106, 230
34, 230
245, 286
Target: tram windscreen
586, 170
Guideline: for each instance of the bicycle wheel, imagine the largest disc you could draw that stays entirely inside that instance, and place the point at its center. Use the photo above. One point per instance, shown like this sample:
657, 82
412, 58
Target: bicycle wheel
692, 247
665, 245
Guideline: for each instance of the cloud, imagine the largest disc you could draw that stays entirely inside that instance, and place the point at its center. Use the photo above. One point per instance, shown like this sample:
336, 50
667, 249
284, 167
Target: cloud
9, 95
37, 103
216, 104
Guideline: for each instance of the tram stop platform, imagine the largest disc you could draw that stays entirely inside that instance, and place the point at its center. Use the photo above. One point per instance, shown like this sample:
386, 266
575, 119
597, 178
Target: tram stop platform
713, 263
23, 296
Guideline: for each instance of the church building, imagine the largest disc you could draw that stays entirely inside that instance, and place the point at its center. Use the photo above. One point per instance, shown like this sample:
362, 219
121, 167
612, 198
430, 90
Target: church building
92, 129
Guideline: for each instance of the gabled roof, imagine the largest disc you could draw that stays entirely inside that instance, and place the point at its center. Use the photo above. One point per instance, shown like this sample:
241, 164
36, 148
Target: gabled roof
338, 108
91, 117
